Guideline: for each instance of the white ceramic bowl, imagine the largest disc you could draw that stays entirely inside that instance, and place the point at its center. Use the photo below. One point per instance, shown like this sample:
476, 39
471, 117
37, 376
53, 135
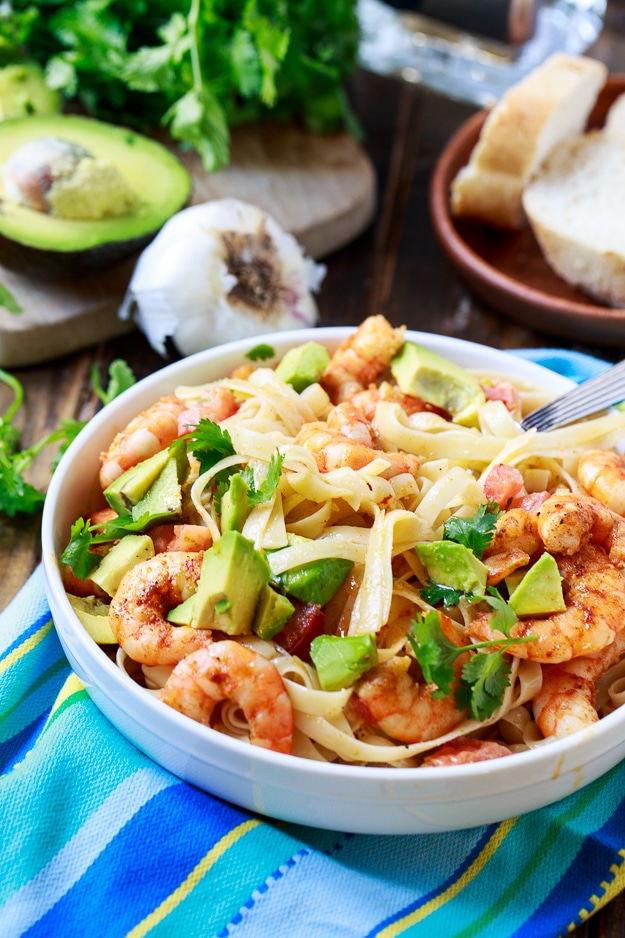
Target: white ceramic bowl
349, 798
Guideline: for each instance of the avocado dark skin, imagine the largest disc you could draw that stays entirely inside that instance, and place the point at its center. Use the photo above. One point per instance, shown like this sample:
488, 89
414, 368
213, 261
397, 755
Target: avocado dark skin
46, 246
61, 265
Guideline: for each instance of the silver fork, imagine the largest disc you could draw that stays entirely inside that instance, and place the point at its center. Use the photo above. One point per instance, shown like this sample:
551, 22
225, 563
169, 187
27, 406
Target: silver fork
589, 397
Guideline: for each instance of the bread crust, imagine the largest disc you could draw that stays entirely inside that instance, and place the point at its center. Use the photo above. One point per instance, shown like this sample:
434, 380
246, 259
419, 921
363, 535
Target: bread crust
576, 207
552, 103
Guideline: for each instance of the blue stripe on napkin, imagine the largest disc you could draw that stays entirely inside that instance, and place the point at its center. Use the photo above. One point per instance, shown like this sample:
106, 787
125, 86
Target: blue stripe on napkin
97, 839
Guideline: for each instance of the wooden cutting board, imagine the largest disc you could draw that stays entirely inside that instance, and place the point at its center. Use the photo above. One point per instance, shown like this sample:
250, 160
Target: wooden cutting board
320, 188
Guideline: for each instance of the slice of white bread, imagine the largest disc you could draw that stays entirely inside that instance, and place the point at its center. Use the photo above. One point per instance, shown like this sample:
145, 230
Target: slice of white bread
549, 105
576, 207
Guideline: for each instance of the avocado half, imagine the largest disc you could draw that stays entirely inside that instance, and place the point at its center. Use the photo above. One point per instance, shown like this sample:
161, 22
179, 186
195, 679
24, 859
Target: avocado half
47, 246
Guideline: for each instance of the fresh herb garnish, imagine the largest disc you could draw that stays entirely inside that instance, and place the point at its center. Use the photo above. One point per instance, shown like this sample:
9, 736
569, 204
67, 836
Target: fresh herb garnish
200, 67
267, 488
209, 443
8, 301
121, 378
435, 593
475, 532
483, 678
260, 352
16, 494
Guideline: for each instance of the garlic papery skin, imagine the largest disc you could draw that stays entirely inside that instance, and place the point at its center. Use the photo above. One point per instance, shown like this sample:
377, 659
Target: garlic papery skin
220, 271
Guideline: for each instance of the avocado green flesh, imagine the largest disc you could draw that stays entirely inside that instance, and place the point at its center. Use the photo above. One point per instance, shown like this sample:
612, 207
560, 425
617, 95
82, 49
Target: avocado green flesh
160, 182
340, 660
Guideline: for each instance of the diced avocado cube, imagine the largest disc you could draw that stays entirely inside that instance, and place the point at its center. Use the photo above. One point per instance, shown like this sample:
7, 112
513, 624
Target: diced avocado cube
130, 487
233, 577
303, 365
341, 660
235, 506
453, 565
540, 590
272, 613
425, 374
182, 614
163, 500
127, 553
94, 615
317, 581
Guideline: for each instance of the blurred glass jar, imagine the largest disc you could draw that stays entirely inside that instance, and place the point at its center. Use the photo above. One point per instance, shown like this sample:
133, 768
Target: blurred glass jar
506, 40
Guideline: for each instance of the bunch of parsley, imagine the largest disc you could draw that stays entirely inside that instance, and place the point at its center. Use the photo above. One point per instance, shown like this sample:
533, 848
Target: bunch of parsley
198, 67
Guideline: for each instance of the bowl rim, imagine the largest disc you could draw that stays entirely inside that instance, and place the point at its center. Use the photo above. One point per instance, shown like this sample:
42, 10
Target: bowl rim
71, 631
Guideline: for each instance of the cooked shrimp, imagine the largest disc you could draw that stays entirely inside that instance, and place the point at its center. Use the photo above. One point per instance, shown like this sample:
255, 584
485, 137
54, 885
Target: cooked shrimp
362, 359
566, 701
560, 524
367, 401
352, 423
515, 530
172, 537
602, 473
332, 449
146, 594
594, 592
389, 698
227, 670
155, 428
566, 522
465, 749
501, 565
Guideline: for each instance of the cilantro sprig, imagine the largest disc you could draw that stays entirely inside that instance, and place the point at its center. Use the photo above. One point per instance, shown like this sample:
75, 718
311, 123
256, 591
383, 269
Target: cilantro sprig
17, 495
210, 443
84, 536
475, 532
484, 677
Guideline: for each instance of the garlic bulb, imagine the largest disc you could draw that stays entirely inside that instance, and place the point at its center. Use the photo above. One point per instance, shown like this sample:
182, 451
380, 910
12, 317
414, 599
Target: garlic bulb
220, 271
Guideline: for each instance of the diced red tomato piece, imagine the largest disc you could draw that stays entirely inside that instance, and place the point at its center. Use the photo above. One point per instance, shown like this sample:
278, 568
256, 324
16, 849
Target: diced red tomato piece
502, 483
531, 502
306, 623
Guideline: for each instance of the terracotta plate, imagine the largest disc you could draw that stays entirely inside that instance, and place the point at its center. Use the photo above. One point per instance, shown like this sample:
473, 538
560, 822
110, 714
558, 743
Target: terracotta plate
508, 270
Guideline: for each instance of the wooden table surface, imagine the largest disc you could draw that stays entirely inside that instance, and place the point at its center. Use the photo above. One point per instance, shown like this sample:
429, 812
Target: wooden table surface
396, 268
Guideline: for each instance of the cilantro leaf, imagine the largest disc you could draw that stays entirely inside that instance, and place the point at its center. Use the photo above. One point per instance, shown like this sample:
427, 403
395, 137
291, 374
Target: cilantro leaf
260, 352
209, 443
268, 486
505, 616
8, 301
483, 682
475, 532
121, 377
434, 652
435, 593
77, 555
484, 677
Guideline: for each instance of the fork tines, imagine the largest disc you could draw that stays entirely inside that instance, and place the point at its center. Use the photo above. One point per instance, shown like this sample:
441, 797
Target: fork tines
590, 397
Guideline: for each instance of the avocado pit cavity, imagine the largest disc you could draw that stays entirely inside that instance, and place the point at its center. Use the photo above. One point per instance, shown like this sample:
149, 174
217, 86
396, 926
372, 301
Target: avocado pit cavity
64, 179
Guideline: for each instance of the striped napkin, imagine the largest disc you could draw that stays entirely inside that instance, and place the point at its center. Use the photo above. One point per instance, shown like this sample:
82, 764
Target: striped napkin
96, 839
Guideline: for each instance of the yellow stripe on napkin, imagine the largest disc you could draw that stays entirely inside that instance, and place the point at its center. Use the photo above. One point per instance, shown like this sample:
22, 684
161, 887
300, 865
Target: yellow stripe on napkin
499, 835
26, 646
194, 877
